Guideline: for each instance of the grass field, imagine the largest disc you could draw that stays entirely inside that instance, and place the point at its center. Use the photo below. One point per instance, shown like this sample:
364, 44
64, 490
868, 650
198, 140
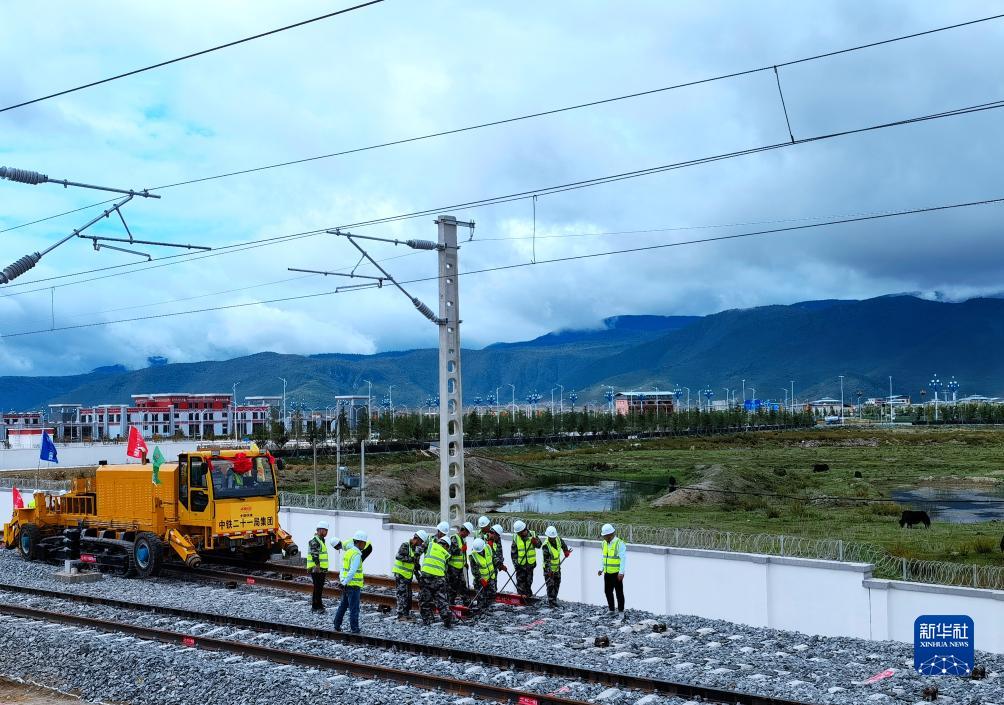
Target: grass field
751, 464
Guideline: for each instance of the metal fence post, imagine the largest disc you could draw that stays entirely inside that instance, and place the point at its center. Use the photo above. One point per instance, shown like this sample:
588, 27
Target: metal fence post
728, 541
840, 550
905, 573
976, 581
631, 533
676, 536
782, 544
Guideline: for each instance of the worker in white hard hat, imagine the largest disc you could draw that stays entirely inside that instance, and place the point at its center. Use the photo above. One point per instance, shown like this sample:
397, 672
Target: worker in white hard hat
495, 542
553, 551
456, 568
612, 568
484, 573
342, 544
352, 580
432, 585
484, 528
524, 556
317, 564
405, 563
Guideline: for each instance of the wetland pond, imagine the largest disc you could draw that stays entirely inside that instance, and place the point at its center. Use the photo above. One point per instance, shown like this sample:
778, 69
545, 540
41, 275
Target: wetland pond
955, 505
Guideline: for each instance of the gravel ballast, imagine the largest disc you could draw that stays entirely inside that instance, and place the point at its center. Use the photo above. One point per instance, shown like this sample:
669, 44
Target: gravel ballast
695, 650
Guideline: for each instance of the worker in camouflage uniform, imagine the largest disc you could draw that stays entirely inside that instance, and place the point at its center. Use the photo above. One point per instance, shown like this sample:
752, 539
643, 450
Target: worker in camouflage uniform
524, 556
484, 574
432, 594
405, 563
456, 568
317, 564
554, 550
494, 542
484, 528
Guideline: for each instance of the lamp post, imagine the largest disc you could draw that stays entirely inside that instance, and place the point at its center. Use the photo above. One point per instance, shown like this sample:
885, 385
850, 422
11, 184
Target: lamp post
841, 400
744, 391
390, 399
953, 387
708, 394
283, 403
235, 409
369, 408
609, 394
936, 385
792, 396
513, 407
892, 412
859, 394
688, 398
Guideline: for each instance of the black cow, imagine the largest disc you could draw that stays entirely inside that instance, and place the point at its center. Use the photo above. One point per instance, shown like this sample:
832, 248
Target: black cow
911, 517
820, 467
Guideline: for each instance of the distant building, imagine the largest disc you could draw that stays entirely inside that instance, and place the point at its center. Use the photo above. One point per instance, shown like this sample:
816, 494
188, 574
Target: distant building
642, 402
23, 429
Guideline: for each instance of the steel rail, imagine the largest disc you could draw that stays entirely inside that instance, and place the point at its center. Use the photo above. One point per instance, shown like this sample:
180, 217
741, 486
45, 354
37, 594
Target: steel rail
426, 681
608, 678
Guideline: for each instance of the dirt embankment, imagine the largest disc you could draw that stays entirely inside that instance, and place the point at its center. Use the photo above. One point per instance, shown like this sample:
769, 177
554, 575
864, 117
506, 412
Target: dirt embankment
713, 477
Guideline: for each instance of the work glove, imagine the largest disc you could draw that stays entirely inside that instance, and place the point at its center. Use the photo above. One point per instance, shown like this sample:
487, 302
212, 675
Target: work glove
599, 572
484, 583
503, 568
568, 552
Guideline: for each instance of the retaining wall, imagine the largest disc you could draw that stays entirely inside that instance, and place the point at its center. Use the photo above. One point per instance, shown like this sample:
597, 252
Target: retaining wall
826, 598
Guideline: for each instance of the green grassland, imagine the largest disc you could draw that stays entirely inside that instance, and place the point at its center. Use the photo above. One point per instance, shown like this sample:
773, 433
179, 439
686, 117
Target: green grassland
750, 465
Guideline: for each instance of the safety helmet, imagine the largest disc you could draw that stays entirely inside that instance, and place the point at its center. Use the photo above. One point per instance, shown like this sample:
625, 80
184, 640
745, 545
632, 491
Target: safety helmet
360, 536
422, 534
443, 527
322, 524
478, 545
518, 525
483, 522
498, 530
551, 532
469, 526
607, 529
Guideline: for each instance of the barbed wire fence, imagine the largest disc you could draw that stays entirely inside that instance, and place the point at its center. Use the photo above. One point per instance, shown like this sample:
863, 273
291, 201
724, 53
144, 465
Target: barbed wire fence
885, 565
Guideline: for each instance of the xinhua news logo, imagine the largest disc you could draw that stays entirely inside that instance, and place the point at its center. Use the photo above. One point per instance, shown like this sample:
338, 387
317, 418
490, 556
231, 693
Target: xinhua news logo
943, 645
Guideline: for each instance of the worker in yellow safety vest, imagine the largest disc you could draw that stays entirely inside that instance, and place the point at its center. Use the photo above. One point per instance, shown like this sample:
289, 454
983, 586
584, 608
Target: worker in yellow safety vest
405, 563
524, 556
612, 567
352, 580
456, 567
554, 551
433, 591
484, 574
317, 564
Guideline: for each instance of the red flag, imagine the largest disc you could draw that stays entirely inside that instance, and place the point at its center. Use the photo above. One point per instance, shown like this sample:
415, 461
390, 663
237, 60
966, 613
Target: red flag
18, 501
137, 446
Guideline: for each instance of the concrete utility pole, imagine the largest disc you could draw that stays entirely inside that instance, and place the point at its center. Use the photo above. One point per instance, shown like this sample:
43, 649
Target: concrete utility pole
452, 502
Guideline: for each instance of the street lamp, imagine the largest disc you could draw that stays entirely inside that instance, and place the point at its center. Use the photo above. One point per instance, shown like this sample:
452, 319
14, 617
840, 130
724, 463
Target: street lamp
283, 402
609, 394
688, 398
892, 412
936, 386
235, 410
369, 409
953, 387
841, 400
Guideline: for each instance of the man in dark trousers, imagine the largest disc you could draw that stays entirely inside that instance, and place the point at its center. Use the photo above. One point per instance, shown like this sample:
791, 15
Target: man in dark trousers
612, 568
317, 564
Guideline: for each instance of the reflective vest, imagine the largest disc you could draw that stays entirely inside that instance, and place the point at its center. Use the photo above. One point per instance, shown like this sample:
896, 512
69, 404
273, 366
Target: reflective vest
552, 555
460, 560
357, 579
486, 563
406, 569
611, 557
526, 554
434, 562
322, 556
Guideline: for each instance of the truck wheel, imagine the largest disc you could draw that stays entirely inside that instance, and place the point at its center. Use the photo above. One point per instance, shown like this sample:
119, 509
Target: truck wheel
27, 542
148, 555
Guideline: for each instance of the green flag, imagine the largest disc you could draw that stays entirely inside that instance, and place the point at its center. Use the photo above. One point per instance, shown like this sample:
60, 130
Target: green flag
158, 460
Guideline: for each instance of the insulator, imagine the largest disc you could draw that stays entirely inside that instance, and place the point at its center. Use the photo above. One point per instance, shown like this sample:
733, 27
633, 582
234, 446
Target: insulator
24, 176
426, 311
422, 245
19, 267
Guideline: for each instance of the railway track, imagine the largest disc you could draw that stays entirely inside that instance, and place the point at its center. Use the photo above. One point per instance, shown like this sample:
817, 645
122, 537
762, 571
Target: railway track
244, 626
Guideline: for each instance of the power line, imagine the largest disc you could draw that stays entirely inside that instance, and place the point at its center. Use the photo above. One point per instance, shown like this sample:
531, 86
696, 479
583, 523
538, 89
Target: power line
929, 209
550, 190
544, 113
189, 56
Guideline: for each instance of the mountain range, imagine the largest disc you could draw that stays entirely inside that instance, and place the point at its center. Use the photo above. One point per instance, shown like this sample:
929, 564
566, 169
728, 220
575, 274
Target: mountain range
811, 342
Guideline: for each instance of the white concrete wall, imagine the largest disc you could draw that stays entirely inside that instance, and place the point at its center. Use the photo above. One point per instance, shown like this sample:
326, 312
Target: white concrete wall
825, 598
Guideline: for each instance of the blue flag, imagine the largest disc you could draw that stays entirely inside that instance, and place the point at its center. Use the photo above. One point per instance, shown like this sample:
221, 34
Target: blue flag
48, 453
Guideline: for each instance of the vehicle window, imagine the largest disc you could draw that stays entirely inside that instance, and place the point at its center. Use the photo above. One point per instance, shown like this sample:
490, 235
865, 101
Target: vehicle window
229, 481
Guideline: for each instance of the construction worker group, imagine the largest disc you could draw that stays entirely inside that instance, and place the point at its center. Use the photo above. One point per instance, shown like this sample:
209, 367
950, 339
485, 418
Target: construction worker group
441, 560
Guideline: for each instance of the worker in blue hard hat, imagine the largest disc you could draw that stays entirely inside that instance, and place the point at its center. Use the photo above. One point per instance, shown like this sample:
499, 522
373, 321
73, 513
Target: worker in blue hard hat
612, 568
352, 580
317, 564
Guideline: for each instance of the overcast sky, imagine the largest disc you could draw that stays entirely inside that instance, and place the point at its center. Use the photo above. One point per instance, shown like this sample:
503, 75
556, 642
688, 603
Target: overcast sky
402, 69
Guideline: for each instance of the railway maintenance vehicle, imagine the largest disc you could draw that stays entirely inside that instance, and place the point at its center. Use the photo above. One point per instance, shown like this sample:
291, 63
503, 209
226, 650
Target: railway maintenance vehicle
212, 501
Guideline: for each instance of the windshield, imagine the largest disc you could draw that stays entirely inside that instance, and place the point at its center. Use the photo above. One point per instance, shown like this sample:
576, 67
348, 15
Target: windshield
256, 482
